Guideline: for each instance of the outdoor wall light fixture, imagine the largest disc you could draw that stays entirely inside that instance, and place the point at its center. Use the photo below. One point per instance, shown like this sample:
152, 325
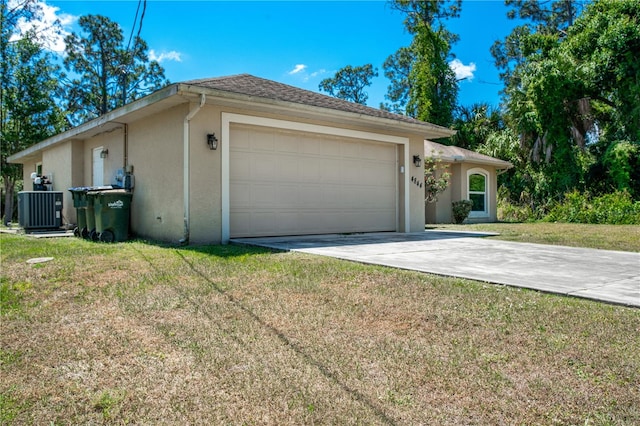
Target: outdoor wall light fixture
104, 153
212, 141
417, 161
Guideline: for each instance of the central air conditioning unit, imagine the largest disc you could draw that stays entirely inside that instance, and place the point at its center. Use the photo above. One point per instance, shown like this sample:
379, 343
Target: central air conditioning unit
40, 209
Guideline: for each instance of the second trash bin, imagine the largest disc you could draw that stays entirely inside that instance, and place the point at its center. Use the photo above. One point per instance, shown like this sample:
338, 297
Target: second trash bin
112, 210
79, 195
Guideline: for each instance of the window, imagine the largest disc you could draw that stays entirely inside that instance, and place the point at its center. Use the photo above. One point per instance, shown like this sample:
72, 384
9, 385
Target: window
477, 180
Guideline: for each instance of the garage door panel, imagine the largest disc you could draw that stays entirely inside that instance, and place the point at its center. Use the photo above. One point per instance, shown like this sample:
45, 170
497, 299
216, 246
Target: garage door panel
286, 183
287, 143
241, 222
331, 170
310, 170
262, 142
377, 153
239, 168
287, 196
288, 168
264, 195
310, 146
348, 173
330, 148
378, 174
241, 139
264, 167
351, 150
240, 195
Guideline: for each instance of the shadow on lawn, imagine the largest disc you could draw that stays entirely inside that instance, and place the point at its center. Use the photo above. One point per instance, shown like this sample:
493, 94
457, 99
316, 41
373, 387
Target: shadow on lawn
216, 250
227, 251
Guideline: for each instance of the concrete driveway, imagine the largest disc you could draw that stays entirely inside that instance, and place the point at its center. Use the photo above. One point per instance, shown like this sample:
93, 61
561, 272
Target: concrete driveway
608, 276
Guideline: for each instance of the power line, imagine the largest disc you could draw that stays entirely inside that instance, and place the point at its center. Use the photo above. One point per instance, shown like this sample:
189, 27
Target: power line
130, 55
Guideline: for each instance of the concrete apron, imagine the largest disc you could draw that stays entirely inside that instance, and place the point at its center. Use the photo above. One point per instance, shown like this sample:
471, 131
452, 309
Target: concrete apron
603, 275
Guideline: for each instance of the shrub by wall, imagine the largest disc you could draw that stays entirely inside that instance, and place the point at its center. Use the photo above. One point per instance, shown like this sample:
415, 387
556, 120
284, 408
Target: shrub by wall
617, 208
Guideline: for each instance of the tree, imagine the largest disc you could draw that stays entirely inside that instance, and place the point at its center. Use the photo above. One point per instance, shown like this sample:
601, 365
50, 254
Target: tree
474, 124
436, 177
549, 22
422, 83
572, 97
28, 88
104, 73
397, 68
349, 83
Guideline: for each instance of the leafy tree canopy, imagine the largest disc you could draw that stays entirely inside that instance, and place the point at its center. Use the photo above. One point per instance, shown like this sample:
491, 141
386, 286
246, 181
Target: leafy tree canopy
572, 94
422, 83
28, 86
349, 83
104, 73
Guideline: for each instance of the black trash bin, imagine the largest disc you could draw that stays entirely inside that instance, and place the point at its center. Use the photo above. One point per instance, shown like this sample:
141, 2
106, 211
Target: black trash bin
112, 209
80, 201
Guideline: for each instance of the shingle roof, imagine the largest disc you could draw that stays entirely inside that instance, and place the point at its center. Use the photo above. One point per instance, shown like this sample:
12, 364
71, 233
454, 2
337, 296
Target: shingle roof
268, 89
455, 153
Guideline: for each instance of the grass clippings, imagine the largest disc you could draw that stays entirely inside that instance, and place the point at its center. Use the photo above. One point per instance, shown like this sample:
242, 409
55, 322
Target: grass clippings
136, 333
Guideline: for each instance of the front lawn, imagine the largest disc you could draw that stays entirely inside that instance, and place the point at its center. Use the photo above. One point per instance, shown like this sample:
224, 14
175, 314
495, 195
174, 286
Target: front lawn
137, 333
607, 237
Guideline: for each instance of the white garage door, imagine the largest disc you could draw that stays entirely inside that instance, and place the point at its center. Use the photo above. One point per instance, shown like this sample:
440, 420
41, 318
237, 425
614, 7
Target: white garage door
291, 183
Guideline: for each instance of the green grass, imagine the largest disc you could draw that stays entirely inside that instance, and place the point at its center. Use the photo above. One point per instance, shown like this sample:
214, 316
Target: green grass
606, 237
140, 333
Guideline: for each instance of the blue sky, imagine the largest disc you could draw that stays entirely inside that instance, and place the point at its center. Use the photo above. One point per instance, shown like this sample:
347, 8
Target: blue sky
295, 42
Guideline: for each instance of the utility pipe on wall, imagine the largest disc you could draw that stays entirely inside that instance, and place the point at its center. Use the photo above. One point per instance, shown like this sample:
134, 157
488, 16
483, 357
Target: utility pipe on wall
186, 171
126, 146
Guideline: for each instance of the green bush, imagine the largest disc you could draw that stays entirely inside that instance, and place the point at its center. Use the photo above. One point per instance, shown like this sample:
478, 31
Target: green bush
617, 208
461, 210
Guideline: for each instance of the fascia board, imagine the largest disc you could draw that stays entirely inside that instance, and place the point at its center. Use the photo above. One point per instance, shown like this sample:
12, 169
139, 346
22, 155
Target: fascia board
98, 123
426, 130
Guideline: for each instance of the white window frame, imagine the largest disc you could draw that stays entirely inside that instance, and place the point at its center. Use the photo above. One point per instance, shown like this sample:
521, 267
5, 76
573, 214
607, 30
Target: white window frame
487, 187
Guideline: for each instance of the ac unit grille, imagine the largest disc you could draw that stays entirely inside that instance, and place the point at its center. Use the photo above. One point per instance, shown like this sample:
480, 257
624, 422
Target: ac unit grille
40, 209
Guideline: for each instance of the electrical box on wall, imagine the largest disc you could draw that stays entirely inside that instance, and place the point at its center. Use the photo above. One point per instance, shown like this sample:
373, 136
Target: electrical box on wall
124, 179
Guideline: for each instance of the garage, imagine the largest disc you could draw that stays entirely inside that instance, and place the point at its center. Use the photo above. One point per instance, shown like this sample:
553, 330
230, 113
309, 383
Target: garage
242, 156
292, 182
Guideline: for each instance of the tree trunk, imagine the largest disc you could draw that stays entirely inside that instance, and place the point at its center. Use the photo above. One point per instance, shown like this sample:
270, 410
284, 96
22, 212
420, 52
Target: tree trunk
9, 190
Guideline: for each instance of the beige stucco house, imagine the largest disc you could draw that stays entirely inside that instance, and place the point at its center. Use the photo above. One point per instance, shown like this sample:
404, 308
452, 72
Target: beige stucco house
473, 177
286, 161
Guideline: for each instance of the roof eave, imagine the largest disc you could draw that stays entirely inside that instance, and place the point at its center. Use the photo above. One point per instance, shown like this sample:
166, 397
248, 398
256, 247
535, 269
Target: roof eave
110, 117
497, 163
424, 129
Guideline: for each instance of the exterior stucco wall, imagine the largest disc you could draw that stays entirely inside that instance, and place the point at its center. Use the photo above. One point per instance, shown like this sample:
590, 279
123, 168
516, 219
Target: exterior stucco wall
416, 193
114, 142
155, 154
440, 212
206, 177
57, 163
437, 212
27, 169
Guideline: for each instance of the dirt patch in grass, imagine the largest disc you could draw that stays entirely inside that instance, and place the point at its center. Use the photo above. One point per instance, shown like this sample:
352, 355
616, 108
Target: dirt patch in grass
218, 335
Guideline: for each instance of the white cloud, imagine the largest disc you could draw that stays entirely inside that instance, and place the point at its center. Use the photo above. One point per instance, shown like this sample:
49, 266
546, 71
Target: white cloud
165, 56
462, 71
298, 68
318, 73
50, 26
